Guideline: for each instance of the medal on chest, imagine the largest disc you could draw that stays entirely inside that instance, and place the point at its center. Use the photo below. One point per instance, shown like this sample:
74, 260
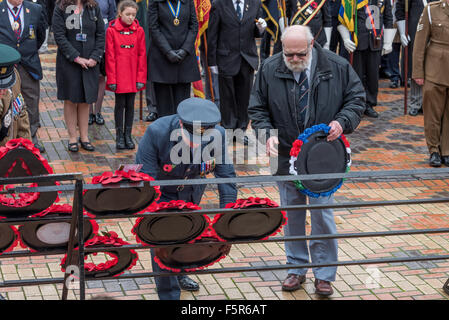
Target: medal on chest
175, 13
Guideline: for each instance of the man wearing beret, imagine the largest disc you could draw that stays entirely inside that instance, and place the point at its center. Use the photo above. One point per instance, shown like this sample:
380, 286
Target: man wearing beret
22, 26
302, 86
187, 145
13, 115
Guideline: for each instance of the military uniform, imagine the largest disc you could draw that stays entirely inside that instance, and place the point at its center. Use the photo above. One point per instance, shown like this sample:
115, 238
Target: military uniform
431, 62
156, 153
13, 115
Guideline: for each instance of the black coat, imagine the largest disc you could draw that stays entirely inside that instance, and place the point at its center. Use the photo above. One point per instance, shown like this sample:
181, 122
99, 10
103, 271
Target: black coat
336, 93
230, 40
74, 83
33, 35
165, 36
365, 36
415, 8
323, 19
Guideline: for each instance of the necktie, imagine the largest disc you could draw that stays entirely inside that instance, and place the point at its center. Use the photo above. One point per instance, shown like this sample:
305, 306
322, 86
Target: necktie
238, 9
303, 102
17, 25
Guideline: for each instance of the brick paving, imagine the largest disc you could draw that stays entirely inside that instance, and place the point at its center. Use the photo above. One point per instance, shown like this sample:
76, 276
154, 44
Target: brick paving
391, 142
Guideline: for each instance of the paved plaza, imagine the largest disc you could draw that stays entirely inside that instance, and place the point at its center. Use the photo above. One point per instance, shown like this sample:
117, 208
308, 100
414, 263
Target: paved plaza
393, 141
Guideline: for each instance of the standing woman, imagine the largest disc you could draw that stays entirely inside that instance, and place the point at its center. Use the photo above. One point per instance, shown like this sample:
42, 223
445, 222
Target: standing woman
171, 58
78, 29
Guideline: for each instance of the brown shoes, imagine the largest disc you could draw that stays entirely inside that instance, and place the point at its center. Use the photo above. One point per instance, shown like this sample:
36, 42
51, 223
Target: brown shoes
323, 288
293, 282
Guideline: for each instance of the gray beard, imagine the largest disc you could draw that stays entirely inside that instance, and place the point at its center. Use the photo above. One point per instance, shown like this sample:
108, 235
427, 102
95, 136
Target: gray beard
299, 67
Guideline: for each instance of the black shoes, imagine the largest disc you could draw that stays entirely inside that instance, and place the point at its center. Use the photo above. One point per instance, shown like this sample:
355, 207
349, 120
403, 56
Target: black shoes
435, 160
39, 147
370, 112
73, 147
445, 160
185, 283
86, 145
97, 118
414, 111
394, 84
128, 138
119, 139
151, 117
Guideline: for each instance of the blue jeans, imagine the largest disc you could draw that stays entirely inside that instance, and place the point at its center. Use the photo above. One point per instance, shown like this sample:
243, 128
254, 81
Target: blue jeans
321, 251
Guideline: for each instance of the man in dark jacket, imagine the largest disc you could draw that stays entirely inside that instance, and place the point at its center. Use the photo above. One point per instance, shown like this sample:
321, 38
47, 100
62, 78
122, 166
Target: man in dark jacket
281, 100
22, 26
156, 154
232, 53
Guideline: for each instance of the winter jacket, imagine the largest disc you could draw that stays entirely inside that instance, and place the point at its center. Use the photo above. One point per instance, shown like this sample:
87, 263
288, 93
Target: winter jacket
336, 93
126, 59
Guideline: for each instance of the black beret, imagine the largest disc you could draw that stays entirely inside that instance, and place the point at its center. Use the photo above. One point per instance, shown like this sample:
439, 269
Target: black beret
201, 111
8, 58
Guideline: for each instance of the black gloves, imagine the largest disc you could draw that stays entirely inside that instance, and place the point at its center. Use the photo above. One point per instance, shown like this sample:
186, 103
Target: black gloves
173, 57
113, 87
181, 53
139, 85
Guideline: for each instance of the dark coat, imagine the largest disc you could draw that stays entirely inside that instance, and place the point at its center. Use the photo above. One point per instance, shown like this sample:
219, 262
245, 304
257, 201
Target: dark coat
154, 153
323, 19
33, 35
74, 83
365, 36
165, 36
336, 93
230, 40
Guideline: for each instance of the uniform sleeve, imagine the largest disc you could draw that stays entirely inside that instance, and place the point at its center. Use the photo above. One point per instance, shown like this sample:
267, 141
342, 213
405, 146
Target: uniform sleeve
400, 10
59, 32
212, 34
327, 16
388, 15
225, 169
147, 153
419, 47
23, 130
142, 58
41, 27
110, 60
189, 43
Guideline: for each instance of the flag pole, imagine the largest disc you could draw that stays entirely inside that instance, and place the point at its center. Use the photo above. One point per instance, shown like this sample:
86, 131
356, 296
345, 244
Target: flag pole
284, 12
406, 60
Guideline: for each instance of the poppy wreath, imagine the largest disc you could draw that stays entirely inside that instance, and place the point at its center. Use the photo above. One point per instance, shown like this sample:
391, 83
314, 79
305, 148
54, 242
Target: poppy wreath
9, 238
120, 200
249, 225
156, 229
123, 259
207, 250
45, 236
23, 159
296, 149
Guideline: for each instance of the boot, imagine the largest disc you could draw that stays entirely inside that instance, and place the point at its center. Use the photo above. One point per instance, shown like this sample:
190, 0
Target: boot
119, 139
128, 138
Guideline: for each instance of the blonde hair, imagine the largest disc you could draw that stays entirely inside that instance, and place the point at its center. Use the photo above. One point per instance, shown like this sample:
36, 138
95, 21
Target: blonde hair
126, 4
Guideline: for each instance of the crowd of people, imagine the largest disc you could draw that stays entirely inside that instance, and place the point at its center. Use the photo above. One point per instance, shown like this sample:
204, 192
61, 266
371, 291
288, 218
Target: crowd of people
319, 73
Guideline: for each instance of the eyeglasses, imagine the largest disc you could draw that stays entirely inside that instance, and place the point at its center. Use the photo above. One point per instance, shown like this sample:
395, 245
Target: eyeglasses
298, 54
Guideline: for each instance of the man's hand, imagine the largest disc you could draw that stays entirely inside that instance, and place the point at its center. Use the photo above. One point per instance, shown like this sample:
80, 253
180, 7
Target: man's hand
272, 146
91, 63
335, 131
419, 81
173, 57
214, 69
261, 25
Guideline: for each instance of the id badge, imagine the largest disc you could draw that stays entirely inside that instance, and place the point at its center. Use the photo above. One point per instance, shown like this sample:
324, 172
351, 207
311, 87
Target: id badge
81, 37
377, 44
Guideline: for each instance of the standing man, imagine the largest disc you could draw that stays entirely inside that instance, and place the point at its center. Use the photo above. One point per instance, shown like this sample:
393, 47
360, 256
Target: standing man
195, 132
233, 27
375, 34
14, 118
281, 99
415, 8
22, 26
430, 70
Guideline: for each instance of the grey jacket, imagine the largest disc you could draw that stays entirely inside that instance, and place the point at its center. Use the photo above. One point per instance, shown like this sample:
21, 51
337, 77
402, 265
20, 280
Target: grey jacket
336, 93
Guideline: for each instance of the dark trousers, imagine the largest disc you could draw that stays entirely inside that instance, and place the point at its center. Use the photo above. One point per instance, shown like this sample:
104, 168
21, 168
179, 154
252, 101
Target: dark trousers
150, 97
168, 96
366, 64
30, 89
124, 104
234, 97
390, 63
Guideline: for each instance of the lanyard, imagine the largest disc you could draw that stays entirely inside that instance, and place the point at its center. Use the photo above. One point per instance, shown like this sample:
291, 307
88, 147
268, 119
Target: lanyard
14, 16
368, 11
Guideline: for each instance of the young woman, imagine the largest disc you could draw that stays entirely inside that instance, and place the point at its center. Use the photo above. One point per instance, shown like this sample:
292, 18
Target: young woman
126, 68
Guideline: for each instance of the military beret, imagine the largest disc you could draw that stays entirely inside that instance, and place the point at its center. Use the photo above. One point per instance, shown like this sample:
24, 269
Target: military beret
8, 58
201, 111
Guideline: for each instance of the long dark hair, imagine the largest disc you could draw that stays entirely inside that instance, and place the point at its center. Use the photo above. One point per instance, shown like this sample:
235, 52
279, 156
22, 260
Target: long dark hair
63, 4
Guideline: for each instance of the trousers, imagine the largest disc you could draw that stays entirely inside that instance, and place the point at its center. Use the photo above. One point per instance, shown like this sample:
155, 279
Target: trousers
321, 251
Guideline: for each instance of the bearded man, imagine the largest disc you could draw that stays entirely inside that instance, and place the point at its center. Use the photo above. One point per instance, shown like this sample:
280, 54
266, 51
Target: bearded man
295, 89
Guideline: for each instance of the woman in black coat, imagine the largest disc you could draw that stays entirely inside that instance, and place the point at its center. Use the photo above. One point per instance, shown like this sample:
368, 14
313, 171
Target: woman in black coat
172, 63
79, 33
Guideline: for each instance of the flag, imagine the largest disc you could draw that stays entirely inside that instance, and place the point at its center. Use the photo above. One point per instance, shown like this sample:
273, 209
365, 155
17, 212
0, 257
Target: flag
202, 13
347, 15
271, 13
